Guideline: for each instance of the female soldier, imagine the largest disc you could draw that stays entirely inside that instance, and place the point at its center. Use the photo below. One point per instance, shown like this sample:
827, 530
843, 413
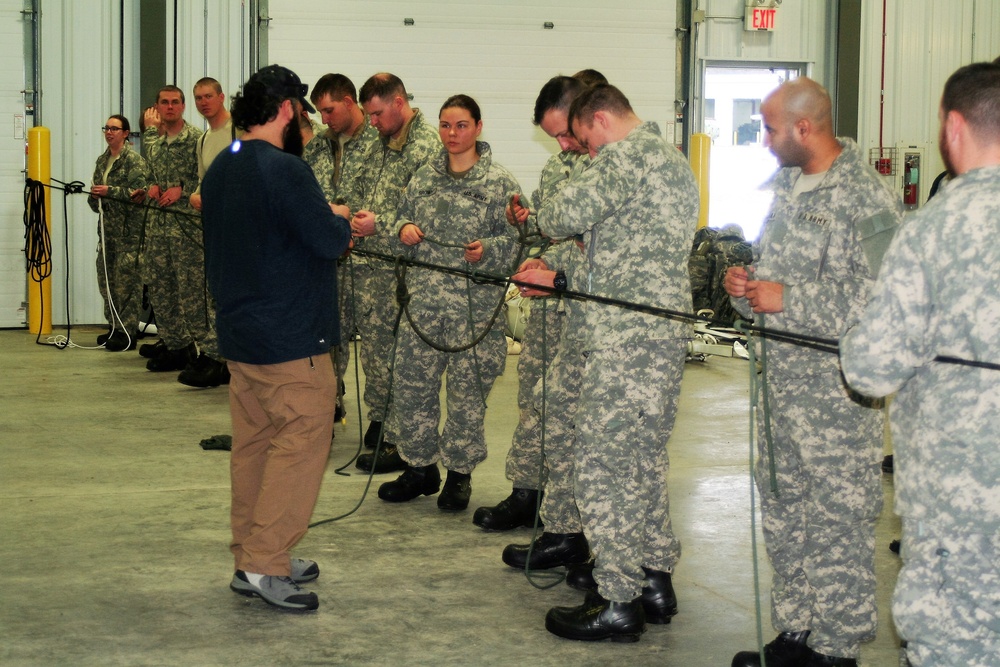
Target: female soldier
452, 214
120, 177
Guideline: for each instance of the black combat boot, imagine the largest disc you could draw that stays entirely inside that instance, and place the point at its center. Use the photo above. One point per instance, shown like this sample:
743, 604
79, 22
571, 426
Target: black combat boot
658, 599
374, 435
455, 494
170, 360
388, 460
413, 483
150, 350
581, 577
204, 372
518, 509
119, 341
788, 649
549, 550
820, 660
597, 619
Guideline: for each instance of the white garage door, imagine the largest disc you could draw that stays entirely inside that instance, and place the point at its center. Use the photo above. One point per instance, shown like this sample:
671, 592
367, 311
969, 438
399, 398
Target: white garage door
12, 122
500, 52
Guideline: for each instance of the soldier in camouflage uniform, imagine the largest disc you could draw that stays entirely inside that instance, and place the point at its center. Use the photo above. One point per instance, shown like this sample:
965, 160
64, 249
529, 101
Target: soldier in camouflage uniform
321, 152
120, 176
715, 250
173, 259
563, 542
636, 206
335, 97
544, 326
209, 368
815, 261
451, 214
407, 141
936, 295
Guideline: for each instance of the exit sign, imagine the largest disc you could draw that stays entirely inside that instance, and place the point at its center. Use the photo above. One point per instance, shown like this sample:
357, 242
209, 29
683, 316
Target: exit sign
760, 18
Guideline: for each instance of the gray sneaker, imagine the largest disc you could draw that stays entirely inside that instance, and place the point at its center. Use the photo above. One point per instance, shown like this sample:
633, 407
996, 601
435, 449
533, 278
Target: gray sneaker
304, 571
278, 591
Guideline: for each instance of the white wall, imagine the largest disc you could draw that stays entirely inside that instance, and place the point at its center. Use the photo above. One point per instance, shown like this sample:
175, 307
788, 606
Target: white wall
804, 34
12, 273
497, 51
80, 89
926, 40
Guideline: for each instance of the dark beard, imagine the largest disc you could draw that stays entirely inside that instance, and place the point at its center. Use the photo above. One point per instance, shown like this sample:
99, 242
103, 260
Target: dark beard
291, 139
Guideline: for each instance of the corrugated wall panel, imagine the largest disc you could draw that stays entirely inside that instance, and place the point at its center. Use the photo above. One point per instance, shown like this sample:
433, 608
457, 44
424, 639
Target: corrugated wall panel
81, 88
77, 97
802, 34
12, 273
498, 52
926, 41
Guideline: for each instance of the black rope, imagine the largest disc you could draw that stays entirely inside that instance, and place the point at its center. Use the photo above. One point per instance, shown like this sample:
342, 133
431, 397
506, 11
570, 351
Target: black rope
37, 243
39, 261
829, 345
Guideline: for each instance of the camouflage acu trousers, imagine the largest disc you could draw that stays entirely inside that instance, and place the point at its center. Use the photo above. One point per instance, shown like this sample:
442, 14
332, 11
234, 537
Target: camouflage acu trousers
628, 401
559, 510
819, 528
539, 346
416, 390
376, 313
174, 269
947, 599
118, 278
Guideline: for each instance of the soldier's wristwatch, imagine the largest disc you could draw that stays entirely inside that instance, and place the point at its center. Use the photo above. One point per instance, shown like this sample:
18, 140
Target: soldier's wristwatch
559, 282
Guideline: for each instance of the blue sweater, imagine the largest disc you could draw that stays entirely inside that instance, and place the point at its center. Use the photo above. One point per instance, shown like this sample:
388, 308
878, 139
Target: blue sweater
271, 249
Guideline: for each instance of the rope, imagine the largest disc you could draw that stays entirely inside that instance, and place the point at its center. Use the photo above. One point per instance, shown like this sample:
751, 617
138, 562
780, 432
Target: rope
752, 365
829, 345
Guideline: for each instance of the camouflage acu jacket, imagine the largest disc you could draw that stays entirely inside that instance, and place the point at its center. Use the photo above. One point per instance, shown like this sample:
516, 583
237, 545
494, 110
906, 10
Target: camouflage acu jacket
174, 162
356, 151
824, 246
321, 154
937, 295
636, 206
458, 211
388, 169
129, 172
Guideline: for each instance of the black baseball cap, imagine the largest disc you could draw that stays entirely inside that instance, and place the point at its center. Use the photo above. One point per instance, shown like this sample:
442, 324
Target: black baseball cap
284, 83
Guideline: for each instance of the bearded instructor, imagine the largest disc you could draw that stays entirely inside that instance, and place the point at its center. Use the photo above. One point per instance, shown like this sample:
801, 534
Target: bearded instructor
271, 249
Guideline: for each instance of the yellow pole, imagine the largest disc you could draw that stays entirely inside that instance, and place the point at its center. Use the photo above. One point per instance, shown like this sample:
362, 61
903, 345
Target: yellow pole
40, 169
701, 149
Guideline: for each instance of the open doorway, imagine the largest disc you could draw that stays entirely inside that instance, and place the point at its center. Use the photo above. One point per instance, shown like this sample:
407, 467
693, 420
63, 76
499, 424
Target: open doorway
739, 161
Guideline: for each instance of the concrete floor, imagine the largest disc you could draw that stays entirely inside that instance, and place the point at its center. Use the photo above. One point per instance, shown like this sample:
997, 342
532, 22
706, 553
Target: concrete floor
114, 533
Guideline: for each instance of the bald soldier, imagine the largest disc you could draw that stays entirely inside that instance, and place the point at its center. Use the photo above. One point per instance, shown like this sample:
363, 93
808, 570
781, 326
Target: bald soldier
814, 265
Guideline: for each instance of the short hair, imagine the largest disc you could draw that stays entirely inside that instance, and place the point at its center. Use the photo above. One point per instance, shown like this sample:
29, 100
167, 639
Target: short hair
384, 86
602, 97
170, 88
208, 81
557, 93
337, 86
123, 120
463, 102
974, 92
590, 77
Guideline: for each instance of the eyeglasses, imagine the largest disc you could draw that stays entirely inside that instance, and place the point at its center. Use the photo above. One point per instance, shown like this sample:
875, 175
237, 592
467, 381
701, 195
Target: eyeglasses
108, 128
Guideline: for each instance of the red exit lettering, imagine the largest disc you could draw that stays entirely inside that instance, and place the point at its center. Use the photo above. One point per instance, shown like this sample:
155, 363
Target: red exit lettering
763, 19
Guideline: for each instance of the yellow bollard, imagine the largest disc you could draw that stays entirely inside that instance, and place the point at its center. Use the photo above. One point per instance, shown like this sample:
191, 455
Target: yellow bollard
40, 169
701, 149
